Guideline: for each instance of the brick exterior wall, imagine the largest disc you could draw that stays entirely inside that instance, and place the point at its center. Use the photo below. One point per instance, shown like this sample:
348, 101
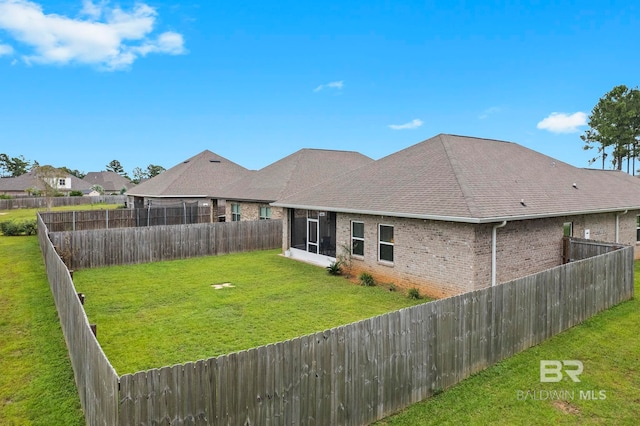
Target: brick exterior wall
447, 258
251, 211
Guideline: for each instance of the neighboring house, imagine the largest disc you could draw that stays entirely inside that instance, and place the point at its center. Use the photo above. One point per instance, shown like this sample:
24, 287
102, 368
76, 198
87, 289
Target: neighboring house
454, 214
111, 182
201, 178
249, 198
24, 185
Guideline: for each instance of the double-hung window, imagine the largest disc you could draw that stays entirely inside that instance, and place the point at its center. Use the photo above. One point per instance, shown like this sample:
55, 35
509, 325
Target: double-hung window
357, 238
235, 212
385, 243
638, 228
265, 213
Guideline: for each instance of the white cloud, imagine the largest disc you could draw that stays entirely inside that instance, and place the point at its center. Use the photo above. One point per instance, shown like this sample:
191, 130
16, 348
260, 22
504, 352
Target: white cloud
559, 122
489, 111
413, 124
112, 43
332, 85
5, 49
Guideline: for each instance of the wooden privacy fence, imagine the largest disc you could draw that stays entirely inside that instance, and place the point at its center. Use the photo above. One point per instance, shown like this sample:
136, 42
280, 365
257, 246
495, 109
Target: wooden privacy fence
41, 202
95, 378
579, 248
105, 247
349, 375
362, 372
125, 218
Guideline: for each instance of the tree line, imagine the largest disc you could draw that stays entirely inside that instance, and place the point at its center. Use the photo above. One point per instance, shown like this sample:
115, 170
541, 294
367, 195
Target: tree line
16, 166
614, 128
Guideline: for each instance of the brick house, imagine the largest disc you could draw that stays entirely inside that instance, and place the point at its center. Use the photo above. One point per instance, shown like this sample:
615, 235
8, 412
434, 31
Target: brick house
250, 197
454, 214
28, 183
111, 182
199, 179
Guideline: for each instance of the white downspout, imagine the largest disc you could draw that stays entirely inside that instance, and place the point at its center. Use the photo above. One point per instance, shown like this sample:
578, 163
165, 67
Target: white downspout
493, 251
618, 225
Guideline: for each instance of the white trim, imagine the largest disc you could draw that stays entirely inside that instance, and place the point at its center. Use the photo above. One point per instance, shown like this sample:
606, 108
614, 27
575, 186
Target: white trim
392, 244
462, 219
305, 256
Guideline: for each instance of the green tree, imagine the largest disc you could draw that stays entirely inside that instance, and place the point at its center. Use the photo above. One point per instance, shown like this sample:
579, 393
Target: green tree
13, 166
115, 166
154, 170
74, 172
614, 124
138, 175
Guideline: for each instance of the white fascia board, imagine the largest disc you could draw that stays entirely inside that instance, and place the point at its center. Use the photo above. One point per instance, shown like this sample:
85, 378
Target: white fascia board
461, 219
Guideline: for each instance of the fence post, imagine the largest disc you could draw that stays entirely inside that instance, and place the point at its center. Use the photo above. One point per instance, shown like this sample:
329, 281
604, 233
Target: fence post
148, 214
73, 221
184, 215
107, 218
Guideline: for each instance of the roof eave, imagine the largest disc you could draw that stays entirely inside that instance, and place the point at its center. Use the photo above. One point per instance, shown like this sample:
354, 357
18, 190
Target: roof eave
474, 220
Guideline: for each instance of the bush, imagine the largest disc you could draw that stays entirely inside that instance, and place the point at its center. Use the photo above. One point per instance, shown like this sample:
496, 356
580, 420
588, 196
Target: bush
414, 293
335, 268
367, 280
392, 287
75, 194
5, 197
12, 229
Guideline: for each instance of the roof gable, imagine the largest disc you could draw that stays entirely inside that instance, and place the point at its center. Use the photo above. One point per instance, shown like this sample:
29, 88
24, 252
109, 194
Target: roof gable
300, 170
203, 175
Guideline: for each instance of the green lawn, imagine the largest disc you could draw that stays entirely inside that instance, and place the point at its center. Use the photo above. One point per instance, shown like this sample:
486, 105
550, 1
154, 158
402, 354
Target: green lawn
609, 347
36, 384
159, 314
27, 214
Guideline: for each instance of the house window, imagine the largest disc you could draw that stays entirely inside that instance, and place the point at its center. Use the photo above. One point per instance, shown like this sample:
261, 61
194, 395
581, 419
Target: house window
568, 229
357, 238
265, 213
62, 182
638, 228
385, 243
235, 212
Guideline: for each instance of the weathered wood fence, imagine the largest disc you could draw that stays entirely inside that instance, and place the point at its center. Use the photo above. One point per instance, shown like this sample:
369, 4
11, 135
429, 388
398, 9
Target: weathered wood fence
41, 202
349, 375
579, 248
95, 378
125, 218
105, 247
365, 371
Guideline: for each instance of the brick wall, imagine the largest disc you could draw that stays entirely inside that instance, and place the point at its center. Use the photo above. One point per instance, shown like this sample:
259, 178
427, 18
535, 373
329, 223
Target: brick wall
251, 211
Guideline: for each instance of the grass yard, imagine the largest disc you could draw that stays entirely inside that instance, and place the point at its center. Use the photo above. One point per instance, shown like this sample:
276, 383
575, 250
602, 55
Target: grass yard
165, 313
36, 380
20, 215
608, 346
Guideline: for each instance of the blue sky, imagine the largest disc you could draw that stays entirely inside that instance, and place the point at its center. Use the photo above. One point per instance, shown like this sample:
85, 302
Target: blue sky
156, 82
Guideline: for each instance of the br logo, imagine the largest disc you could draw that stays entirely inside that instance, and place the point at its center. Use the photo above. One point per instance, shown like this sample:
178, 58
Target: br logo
552, 370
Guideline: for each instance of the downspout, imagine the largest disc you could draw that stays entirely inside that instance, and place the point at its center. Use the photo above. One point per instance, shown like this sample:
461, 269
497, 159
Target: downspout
493, 251
618, 225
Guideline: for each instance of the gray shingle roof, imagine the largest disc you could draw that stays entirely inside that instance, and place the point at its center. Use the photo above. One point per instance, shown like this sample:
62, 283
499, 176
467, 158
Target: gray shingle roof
109, 181
203, 175
302, 169
468, 179
29, 180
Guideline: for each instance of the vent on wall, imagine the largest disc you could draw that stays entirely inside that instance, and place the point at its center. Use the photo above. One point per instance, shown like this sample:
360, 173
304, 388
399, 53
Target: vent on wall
214, 161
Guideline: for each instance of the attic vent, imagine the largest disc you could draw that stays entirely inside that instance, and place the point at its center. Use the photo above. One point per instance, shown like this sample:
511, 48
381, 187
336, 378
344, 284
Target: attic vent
186, 161
214, 161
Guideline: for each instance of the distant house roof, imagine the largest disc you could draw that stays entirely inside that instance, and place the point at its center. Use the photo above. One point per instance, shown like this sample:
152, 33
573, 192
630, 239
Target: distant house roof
302, 169
203, 175
467, 179
29, 180
109, 181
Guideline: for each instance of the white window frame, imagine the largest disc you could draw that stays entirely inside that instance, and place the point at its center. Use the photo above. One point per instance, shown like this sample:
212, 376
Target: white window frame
570, 229
235, 216
637, 228
354, 238
380, 243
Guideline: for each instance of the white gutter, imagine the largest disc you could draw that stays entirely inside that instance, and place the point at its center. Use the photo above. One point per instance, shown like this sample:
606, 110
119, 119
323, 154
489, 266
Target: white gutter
462, 219
618, 225
493, 251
